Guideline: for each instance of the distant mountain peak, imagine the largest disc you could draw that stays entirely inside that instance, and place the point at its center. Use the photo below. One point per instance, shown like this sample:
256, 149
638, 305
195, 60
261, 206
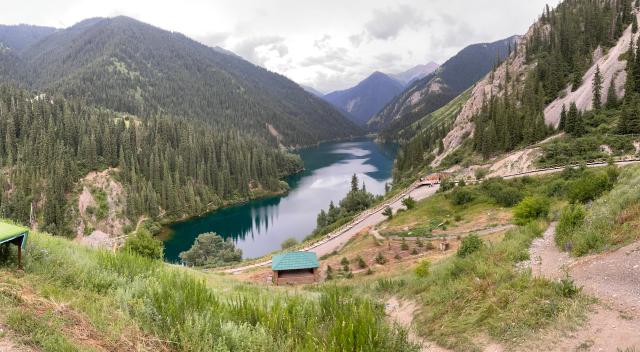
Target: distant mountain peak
415, 73
364, 100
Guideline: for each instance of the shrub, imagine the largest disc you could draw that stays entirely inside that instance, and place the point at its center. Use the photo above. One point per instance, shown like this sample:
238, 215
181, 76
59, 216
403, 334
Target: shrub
344, 261
209, 249
380, 259
423, 269
419, 243
531, 208
470, 245
409, 202
388, 212
361, 263
446, 185
403, 245
461, 196
566, 287
481, 173
414, 251
503, 194
289, 243
143, 244
572, 216
589, 187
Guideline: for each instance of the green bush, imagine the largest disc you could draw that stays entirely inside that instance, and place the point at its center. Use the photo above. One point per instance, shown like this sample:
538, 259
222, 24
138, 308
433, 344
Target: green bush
531, 208
409, 202
380, 259
461, 196
423, 269
143, 244
289, 243
361, 263
388, 212
211, 250
469, 245
502, 193
589, 187
571, 218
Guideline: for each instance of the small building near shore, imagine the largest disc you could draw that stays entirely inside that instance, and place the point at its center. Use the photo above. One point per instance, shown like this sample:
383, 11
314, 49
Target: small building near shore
295, 268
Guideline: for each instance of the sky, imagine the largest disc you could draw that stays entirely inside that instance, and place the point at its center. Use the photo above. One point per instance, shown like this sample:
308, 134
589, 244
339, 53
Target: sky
328, 44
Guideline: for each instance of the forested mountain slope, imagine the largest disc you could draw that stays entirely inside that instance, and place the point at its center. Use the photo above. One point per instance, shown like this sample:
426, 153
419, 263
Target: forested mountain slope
22, 36
552, 61
521, 101
437, 89
175, 166
129, 66
366, 98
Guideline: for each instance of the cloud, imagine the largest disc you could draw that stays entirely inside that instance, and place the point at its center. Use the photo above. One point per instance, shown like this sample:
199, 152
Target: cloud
260, 49
214, 39
387, 24
387, 59
357, 39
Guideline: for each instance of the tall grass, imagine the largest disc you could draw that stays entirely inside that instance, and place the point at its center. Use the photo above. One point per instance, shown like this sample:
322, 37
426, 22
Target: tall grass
484, 293
195, 312
611, 220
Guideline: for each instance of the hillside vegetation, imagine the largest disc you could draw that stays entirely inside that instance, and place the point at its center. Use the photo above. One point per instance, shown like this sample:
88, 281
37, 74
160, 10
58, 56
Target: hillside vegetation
131, 301
435, 90
176, 166
129, 66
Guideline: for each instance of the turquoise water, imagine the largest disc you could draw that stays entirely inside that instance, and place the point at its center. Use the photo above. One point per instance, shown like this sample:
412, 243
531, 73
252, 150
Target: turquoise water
259, 227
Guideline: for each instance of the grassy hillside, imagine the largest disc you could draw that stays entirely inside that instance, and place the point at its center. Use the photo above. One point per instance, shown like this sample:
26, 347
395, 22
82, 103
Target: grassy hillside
486, 292
126, 301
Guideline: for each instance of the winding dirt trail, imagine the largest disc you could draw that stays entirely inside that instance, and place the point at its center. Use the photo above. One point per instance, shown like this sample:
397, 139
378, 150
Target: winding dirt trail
613, 278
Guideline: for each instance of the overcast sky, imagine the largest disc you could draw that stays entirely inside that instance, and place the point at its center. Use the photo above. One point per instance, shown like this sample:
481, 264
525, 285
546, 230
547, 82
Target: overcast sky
328, 44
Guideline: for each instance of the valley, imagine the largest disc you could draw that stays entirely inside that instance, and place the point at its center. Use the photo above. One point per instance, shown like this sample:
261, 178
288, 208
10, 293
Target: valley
466, 183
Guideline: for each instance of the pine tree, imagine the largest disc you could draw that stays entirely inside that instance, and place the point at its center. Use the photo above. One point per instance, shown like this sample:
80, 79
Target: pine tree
563, 118
612, 97
597, 89
354, 183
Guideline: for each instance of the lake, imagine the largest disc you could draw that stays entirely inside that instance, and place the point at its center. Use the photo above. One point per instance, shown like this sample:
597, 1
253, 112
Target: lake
260, 226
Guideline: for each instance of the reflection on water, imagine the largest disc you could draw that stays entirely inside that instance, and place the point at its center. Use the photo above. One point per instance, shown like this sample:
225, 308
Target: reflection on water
260, 226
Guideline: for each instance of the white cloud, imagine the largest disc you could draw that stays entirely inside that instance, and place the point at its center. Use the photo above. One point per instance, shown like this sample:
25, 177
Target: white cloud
329, 44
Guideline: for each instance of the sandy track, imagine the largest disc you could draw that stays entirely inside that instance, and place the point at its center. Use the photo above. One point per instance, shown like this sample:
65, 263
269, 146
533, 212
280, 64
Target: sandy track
612, 277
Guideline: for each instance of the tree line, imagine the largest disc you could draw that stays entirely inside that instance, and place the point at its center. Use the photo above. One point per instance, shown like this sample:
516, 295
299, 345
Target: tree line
165, 164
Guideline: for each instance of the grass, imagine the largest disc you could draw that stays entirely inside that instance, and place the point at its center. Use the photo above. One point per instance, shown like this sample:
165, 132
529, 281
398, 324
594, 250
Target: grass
484, 293
192, 311
487, 292
609, 222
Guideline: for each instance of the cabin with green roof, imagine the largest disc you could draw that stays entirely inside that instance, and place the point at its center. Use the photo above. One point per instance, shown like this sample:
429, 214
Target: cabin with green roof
295, 268
16, 235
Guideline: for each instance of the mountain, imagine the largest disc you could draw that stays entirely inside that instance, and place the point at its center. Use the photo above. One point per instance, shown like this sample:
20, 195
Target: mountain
21, 36
415, 73
367, 98
435, 90
313, 91
129, 66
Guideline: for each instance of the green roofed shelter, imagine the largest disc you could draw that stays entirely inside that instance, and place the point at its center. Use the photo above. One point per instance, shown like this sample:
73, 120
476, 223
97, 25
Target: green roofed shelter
295, 268
16, 235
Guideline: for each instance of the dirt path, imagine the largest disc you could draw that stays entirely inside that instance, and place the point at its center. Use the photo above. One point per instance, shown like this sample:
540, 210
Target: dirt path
613, 278
546, 259
402, 312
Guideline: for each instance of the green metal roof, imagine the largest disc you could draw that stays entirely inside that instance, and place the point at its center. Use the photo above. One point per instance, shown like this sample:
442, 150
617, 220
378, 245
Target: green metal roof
9, 232
294, 260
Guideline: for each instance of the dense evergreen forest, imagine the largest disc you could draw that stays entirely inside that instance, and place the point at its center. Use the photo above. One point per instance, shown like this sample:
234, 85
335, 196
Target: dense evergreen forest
48, 143
129, 66
561, 47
